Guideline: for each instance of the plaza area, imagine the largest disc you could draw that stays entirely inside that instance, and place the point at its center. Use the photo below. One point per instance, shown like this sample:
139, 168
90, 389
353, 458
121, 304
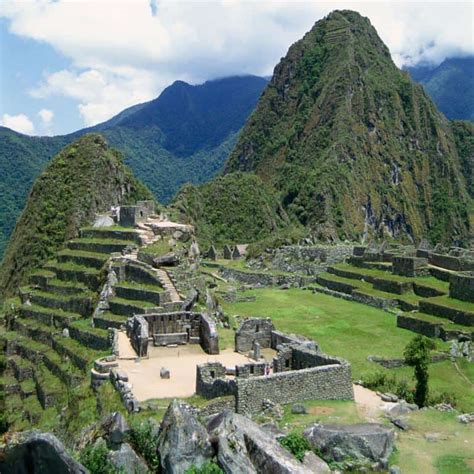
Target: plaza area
181, 361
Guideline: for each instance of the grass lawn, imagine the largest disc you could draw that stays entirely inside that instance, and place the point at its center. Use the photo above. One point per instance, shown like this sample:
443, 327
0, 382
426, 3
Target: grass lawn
352, 331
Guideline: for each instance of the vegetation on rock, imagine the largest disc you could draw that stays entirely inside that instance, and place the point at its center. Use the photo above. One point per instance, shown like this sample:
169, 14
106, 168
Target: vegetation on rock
86, 177
351, 144
236, 208
184, 135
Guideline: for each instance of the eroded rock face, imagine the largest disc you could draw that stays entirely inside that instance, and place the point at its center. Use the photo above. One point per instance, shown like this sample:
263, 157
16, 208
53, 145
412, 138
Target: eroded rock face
183, 441
371, 442
242, 447
39, 453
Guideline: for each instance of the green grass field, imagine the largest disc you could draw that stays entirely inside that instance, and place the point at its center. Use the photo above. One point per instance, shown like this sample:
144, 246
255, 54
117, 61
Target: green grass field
352, 331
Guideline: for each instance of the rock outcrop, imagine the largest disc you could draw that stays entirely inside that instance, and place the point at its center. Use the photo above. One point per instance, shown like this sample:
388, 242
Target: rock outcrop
363, 442
39, 453
183, 441
243, 448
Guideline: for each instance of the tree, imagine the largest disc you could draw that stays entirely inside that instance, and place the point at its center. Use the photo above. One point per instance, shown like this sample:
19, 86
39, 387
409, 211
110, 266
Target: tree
417, 355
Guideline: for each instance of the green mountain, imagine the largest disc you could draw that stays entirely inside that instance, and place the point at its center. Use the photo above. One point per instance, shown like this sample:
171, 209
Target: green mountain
86, 177
450, 85
185, 135
353, 147
235, 208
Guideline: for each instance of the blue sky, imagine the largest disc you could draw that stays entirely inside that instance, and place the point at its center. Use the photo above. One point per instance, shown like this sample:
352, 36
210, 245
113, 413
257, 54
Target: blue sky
67, 64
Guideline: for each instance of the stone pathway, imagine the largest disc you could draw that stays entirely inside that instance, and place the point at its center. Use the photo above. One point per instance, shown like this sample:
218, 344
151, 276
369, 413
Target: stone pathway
126, 351
368, 403
168, 285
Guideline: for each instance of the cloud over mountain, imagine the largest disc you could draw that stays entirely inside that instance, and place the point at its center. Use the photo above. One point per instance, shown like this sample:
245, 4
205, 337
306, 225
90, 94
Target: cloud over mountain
126, 52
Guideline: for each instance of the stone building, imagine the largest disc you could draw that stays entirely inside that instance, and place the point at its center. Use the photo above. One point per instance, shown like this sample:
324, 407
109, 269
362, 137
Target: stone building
299, 371
130, 216
239, 251
227, 252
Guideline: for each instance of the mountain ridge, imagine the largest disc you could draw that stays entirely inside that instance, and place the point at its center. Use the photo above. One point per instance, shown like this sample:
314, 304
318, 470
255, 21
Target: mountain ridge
353, 146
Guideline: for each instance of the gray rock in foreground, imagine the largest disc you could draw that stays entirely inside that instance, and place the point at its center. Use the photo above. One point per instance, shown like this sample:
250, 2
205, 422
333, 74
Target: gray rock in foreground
244, 448
371, 442
182, 441
126, 459
39, 453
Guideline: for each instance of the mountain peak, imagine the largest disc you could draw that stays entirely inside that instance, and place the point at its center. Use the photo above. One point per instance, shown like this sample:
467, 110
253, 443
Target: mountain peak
351, 143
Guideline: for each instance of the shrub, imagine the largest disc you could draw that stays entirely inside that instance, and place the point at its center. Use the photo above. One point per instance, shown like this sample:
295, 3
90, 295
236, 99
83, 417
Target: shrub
296, 444
144, 439
94, 457
209, 467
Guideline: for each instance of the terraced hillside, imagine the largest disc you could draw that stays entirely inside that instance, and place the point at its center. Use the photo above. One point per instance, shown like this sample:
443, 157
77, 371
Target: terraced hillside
51, 338
423, 302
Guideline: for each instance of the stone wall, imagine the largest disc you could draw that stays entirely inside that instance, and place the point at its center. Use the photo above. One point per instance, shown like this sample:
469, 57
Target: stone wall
254, 329
330, 382
263, 279
409, 266
138, 333
461, 286
392, 286
250, 370
208, 335
132, 215
419, 326
211, 381
450, 262
456, 315
279, 338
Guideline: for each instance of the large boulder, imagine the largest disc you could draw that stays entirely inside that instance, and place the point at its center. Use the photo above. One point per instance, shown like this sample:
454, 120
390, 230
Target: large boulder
363, 442
116, 428
244, 448
39, 453
125, 459
182, 441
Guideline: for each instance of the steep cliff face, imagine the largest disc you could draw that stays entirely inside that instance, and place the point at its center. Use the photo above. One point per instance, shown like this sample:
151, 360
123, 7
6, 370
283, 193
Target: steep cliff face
86, 177
352, 145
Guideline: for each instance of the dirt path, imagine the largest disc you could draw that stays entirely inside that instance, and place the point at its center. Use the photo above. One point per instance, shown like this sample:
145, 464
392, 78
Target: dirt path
368, 403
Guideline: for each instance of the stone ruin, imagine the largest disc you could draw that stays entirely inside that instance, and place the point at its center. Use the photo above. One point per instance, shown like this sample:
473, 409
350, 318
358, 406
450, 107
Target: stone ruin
130, 216
176, 328
299, 371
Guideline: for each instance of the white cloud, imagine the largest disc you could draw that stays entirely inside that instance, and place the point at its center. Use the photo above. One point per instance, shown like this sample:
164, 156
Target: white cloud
126, 51
20, 123
46, 116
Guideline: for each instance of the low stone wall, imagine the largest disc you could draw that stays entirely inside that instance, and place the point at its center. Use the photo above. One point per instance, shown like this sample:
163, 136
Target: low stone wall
426, 291
419, 326
89, 339
135, 271
179, 338
457, 316
262, 279
254, 330
137, 294
450, 262
392, 286
120, 381
279, 338
331, 382
461, 286
375, 301
211, 381
409, 266
336, 285
21, 372
218, 405
250, 370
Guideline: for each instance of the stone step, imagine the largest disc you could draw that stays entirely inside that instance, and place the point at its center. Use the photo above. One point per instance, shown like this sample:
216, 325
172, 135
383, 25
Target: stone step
48, 316
111, 233
66, 287
141, 293
83, 258
432, 326
49, 388
85, 334
129, 308
82, 305
71, 272
81, 356
109, 320
41, 278
104, 246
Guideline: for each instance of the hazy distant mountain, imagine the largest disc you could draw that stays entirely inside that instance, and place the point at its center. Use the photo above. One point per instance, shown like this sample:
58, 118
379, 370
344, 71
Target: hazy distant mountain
450, 85
185, 135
